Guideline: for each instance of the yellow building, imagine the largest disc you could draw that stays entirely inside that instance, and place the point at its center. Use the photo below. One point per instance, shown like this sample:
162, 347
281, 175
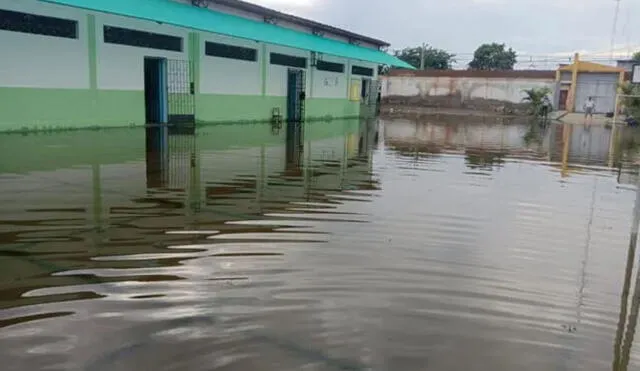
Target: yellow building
580, 80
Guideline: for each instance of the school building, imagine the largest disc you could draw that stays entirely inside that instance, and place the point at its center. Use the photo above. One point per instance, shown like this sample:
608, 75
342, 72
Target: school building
114, 63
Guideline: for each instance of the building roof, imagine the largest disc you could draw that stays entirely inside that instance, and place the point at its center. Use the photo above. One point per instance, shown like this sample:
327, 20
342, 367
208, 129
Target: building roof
591, 67
267, 12
185, 15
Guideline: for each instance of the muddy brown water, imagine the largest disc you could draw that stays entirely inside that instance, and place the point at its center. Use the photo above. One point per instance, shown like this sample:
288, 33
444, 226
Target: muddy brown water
386, 245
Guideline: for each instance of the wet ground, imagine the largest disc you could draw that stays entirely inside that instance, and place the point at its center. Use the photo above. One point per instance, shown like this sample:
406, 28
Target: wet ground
442, 244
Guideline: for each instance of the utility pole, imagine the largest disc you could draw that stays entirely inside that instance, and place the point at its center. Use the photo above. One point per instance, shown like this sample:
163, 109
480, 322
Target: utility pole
422, 50
615, 29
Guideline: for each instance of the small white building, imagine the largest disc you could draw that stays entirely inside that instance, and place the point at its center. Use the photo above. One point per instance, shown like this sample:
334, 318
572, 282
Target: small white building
627, 64
87, 63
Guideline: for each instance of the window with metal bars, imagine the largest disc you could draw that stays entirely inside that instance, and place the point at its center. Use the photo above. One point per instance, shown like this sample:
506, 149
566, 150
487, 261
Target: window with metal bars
288, 60
230, 51
362, 71
330, 66
38, 24
141, 39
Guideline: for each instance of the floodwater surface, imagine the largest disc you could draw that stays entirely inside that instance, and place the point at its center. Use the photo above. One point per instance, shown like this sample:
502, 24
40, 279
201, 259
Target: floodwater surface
438, 244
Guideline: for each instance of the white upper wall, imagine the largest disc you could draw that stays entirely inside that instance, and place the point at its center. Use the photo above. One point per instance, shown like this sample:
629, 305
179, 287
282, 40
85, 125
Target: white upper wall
37, 61
366, 65
230, 76
330, 84
121, 67
52, 62
277, 74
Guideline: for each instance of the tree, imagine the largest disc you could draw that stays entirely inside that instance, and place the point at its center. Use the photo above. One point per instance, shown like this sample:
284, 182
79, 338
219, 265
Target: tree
636, 56
537, 97
437, 59
492, 57
631, 100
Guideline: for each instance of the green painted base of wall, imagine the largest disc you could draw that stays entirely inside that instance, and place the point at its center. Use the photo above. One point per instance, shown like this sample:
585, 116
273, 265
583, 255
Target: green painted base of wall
322, 108
31, 109
66, 149
212, 108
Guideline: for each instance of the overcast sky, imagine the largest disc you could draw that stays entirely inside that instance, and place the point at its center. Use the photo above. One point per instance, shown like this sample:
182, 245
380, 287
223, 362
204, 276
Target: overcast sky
531, 27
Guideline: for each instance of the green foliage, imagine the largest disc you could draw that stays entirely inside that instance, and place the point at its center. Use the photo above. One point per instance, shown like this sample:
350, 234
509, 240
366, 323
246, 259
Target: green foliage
636, 56
435, 59
537, 97
492, 57
631, 104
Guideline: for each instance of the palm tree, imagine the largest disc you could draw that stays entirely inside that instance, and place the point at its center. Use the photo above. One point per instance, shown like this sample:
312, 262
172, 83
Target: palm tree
538, 98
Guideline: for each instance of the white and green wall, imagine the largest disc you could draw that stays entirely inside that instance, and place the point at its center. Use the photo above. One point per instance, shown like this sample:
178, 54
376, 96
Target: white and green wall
57, 83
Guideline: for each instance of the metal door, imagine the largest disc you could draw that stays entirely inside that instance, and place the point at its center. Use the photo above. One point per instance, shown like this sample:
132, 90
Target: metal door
180, 93
295, 95
562, 103
601, 86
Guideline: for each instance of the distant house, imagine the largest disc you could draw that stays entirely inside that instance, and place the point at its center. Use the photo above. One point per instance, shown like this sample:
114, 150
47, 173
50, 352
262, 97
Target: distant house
580, 80
626, 64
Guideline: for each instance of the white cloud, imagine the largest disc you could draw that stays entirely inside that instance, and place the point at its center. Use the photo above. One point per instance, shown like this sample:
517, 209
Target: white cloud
280, 4
541, 27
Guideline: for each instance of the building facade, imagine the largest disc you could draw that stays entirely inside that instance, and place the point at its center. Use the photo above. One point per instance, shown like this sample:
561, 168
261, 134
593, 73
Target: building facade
626, 64
580, 80
82, 64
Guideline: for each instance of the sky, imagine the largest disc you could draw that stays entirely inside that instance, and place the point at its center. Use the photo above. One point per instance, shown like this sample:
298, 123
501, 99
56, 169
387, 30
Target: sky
534, 28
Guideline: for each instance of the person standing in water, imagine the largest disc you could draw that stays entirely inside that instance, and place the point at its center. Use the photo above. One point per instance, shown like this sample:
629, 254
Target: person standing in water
589, 107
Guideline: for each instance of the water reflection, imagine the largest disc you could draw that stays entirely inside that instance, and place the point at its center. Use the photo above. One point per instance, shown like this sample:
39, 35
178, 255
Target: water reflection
344, 245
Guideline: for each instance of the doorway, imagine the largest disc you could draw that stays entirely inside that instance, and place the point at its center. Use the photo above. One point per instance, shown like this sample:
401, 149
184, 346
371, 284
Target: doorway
295, 95
365, 90
155, 91
562, 103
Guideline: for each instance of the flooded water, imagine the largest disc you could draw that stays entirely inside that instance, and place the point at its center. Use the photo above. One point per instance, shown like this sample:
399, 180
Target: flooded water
391, 245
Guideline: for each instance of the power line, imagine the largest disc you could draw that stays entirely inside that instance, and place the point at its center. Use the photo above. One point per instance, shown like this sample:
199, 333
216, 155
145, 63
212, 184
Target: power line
615, 28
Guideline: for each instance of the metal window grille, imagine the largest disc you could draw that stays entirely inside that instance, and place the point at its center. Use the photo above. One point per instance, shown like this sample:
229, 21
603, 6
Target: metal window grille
362, 71
288, 60
374, 89
230, 51
297, 97
330, 66
180, 92
141, 39
38, 24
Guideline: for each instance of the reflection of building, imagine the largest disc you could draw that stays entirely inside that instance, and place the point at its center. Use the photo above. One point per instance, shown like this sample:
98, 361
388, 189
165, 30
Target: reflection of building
126, 202
131, 62
580, 144
435, 137
581, 80
486, 145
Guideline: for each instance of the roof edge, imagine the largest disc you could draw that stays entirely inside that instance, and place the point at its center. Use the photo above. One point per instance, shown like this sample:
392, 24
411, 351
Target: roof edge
255, 8
208, 20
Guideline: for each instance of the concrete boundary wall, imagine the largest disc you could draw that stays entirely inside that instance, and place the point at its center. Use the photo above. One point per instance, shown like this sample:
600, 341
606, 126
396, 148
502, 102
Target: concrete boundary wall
481, 90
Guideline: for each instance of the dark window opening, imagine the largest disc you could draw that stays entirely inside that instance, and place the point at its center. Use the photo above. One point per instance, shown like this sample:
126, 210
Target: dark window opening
362, 71
330, 66
230, 51
141, 39
38, 24
288, 60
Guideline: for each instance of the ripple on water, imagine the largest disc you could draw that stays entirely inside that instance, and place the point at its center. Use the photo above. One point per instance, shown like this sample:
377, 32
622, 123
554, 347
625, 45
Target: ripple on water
353, 255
